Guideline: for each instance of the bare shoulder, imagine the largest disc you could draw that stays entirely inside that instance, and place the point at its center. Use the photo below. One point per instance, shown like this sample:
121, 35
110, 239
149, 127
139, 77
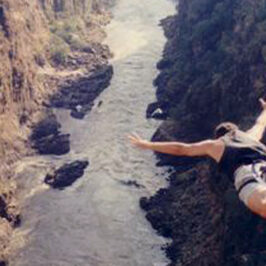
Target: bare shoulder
216, 149
209, 147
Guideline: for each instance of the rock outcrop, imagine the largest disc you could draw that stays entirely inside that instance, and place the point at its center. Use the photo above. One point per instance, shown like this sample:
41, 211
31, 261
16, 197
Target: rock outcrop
23, 33
79, 95
66, 175
68, 8
46, 137
213, 70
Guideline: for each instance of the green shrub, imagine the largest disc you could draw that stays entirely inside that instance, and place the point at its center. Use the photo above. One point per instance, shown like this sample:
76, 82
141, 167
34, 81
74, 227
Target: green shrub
71, 32
59, 57
59, 50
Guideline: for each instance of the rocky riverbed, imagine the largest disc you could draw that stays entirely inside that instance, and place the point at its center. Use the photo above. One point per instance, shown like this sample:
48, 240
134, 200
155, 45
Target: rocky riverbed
101, 208
78, 95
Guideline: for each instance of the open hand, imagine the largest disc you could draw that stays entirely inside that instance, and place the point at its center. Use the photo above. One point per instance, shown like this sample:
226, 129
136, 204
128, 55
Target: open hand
263, 103
136, 140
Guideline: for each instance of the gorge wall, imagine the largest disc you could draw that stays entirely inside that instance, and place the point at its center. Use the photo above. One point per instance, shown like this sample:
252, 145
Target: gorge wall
36, 42
213, 70
64, 8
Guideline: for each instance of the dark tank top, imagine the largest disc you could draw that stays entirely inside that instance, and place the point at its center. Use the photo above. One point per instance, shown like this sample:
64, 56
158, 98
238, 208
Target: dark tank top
240, 149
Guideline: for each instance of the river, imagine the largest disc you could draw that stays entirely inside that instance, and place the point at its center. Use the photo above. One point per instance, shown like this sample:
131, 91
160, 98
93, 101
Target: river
98, 221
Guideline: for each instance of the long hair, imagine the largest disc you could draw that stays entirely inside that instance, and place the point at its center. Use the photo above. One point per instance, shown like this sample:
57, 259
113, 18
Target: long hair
224, 128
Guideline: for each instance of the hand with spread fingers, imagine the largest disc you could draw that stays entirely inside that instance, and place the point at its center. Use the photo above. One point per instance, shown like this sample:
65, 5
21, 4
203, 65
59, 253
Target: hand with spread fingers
137, 141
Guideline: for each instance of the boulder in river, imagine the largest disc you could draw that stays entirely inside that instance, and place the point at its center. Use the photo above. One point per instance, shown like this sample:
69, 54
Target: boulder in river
80, 111
47, 139
157, 110
131, 183
48, 126
57, 144
83, 91
66, 175
77, 114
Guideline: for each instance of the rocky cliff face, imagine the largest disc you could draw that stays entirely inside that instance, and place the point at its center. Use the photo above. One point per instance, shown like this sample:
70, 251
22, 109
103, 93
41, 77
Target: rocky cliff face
22, 34
213, 70
31, 33
68, 8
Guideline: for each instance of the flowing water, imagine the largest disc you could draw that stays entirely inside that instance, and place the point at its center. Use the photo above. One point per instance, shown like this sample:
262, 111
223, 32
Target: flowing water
98, 220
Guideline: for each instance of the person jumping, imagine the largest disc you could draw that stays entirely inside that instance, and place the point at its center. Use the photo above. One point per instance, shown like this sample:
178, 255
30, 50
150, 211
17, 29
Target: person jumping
241, 155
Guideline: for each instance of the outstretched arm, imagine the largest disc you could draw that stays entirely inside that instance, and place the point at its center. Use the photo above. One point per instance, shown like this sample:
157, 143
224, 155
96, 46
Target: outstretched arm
257, 130
203, 148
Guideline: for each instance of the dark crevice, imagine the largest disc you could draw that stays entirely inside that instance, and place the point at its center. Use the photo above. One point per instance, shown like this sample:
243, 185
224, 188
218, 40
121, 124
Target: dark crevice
3, 22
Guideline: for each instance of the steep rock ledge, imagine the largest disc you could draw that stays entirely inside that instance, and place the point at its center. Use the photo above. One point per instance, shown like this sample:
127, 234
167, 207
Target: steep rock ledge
23, 33
213, 70
40, 51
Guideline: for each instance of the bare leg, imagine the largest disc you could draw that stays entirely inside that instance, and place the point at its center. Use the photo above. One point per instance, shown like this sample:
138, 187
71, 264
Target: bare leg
257, 201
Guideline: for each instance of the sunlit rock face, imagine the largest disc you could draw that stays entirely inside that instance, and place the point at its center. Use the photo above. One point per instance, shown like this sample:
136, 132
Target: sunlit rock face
65, 8
24, 38
23, 33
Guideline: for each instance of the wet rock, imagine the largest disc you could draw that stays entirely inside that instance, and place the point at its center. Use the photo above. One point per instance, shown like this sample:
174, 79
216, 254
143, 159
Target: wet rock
158, 114
47, 139
80, 111
157, 110
66, 175
100, 103
164, 63
82, 91
48, 126
57, 144
131, 183
189, 212
77, 115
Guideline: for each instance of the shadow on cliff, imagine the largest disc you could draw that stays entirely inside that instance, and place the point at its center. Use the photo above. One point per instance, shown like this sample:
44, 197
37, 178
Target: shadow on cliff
213, 70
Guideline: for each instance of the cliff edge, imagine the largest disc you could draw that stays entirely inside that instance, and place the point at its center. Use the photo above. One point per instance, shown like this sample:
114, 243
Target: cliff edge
43, 44
213, 70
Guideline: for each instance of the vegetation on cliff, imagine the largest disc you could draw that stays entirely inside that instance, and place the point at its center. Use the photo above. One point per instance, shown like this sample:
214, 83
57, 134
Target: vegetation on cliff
213, 70
217, 58
74, 26
23, 34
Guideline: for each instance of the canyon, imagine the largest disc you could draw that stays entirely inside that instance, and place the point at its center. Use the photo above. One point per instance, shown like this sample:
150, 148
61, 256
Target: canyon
212, 70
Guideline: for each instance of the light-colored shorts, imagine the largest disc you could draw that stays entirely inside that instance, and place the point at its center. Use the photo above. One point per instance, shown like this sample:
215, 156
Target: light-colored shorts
249, 178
